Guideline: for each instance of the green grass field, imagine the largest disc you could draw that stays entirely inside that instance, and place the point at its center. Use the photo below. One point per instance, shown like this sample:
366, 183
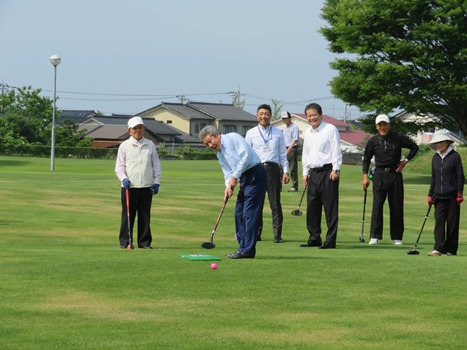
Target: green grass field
67, 285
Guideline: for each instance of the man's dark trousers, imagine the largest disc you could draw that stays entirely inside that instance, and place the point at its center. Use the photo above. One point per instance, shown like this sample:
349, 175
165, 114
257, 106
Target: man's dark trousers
322, 192
249, 208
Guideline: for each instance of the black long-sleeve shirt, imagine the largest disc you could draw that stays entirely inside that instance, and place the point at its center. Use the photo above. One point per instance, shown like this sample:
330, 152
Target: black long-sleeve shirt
387, 151
447, 176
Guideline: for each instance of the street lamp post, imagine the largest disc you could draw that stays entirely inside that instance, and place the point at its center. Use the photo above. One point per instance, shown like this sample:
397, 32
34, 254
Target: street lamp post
55, 60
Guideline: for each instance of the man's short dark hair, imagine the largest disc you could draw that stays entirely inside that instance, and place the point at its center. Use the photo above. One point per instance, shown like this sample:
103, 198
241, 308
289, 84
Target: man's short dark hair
264, 106
314, 106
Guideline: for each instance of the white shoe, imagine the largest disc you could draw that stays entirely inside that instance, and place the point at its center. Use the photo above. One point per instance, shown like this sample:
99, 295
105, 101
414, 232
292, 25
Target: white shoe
397, 242
434, 253
373, 241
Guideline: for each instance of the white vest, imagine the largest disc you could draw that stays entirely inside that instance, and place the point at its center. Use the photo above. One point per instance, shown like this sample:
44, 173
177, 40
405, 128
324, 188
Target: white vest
139, 167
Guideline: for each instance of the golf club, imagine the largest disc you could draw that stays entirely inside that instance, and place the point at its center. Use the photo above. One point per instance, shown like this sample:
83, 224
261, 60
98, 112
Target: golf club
210, 244
362, 238
297, 212
414, 251
127, 195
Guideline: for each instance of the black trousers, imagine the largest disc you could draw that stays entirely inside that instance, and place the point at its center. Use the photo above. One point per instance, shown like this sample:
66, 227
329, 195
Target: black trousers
388, 185
293, 167
322, 192
447, 214
274, 186
140, 202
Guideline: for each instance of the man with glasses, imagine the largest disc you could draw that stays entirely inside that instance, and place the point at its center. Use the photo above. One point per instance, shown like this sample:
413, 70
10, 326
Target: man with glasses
139, 169
386, 147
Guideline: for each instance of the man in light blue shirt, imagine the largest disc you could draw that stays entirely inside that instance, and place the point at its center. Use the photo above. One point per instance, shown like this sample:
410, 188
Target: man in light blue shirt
239, 162
268, 142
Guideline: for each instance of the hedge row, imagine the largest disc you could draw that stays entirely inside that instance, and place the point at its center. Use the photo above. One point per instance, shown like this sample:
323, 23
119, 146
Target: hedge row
96, 153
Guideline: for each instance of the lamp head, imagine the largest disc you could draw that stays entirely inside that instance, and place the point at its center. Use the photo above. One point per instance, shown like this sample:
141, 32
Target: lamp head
55, 60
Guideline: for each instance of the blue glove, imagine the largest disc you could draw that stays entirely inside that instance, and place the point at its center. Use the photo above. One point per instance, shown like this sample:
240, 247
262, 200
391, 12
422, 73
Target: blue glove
126, 183
155, 189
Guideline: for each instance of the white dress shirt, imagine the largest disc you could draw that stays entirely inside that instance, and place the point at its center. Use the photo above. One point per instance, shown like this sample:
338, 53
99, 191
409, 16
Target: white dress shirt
321, 146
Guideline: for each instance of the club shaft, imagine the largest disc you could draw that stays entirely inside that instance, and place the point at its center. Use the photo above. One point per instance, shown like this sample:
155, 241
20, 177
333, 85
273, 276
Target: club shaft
127, 198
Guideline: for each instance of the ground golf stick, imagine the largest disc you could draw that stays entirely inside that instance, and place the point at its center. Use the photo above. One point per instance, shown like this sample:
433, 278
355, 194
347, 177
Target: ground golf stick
362, 238
127, 197
210, 244
297, 211
414, 251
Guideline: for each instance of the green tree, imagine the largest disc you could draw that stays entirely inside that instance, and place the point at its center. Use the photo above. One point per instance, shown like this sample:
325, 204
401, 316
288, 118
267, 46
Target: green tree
68, 135
27, 119
400, 54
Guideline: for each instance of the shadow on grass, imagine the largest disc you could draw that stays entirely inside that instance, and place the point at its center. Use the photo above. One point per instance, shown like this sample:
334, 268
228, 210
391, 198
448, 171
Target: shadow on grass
10, 222
13, 162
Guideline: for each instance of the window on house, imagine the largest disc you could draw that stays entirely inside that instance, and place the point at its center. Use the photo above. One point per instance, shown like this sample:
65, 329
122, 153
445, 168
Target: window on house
245, 129
203, 125
196, 128
229, 128
169, 122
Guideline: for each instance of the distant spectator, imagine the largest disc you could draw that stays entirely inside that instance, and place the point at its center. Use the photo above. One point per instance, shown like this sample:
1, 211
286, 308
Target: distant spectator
292, 141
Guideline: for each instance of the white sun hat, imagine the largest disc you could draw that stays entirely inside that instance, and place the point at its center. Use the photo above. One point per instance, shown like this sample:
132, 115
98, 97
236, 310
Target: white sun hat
441, 135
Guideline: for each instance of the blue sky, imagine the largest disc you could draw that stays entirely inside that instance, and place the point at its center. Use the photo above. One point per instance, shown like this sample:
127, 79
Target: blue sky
124, 57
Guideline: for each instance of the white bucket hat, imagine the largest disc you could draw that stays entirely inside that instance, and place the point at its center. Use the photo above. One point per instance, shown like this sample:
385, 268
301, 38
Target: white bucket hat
441, 135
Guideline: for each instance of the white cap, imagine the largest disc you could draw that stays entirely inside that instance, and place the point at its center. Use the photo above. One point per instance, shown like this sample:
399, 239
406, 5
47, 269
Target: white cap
135, 121
285, 115
382, 118
441, 135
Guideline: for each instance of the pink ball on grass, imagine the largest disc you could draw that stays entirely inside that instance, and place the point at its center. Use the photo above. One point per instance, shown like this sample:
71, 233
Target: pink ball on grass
213, 266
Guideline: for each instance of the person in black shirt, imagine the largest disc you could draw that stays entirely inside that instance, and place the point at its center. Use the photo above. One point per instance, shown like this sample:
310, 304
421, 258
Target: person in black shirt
386, 147
447, 185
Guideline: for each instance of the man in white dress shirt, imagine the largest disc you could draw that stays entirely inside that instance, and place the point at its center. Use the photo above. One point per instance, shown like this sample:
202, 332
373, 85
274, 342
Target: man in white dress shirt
321, 161
268, 142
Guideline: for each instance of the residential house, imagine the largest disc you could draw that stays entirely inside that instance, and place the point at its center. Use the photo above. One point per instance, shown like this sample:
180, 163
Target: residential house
421, 118
191, 117
352, 141
110, 131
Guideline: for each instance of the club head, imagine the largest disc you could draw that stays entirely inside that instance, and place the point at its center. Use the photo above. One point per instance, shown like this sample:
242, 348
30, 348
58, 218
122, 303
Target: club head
208, 245
296, 212
413, 252
362, 240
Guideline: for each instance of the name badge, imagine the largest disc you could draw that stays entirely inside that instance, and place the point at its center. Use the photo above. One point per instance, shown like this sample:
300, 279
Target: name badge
266, 149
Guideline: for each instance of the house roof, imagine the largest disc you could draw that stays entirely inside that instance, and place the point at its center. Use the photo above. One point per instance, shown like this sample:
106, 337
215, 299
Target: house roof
223, 111
206, 111
76, 116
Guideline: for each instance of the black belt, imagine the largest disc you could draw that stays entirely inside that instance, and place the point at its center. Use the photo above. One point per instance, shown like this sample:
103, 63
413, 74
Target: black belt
322, 168
386, 170
251, 170
270, 164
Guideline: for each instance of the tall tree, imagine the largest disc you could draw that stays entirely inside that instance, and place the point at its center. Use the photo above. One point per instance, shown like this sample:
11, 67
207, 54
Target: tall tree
27, 119
400, 54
